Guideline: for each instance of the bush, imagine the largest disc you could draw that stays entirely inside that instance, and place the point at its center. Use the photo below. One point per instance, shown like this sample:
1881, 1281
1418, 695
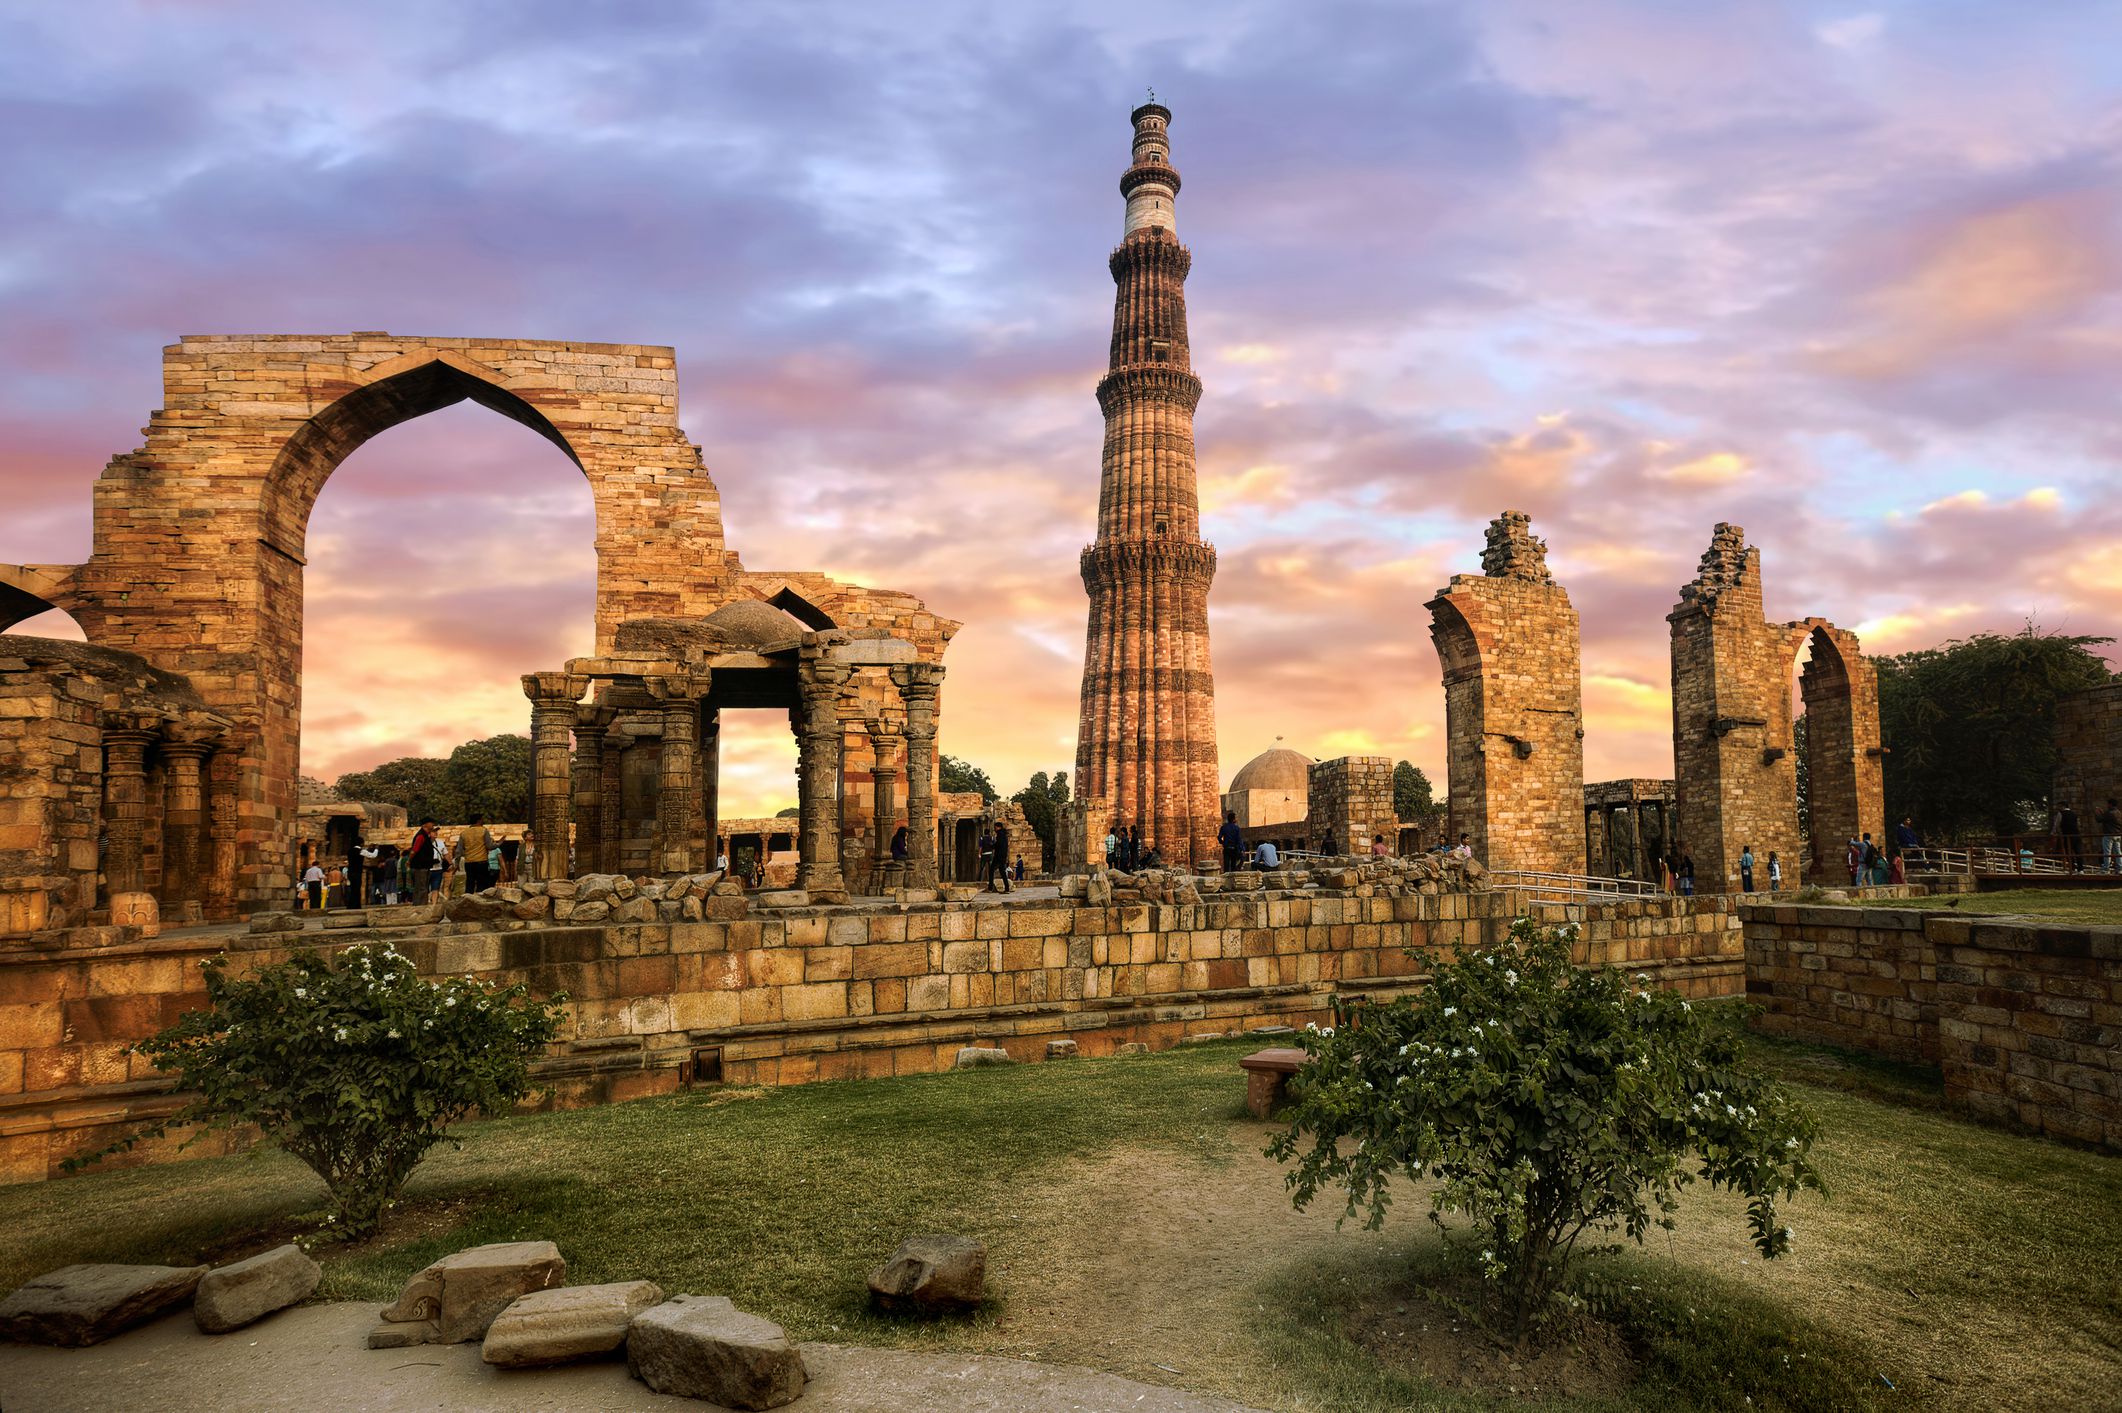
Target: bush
1545, 1101
356, 1069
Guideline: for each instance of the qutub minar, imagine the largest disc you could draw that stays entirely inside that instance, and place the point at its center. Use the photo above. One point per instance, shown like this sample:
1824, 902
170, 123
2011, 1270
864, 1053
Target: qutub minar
1147, 734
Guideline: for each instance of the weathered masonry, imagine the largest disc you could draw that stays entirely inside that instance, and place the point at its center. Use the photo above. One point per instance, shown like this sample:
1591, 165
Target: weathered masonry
769, 996
197, 573
1734, 749
1513, 705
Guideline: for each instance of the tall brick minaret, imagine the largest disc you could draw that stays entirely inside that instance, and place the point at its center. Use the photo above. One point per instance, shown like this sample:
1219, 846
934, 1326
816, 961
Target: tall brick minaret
1146, 746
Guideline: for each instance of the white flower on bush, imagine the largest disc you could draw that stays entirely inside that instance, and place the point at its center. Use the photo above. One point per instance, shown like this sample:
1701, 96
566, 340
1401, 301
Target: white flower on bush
339, 1034
300, 994
390, 1035
449, 1001
1451, 1011
1510, 978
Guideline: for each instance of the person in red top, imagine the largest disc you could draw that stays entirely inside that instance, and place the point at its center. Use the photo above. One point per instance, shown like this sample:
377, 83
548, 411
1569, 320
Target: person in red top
421, 860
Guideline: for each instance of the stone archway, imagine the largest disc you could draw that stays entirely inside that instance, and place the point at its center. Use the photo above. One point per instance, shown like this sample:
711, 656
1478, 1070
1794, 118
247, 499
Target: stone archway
200, 534
1845, 778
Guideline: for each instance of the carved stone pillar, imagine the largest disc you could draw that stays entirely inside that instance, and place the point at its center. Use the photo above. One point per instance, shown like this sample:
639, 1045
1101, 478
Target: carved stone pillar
183, 829
709, 768
552, 697
589, 791
124, 808
611, 817
224, 777
818, 736
884, 777
678, 701
919, 685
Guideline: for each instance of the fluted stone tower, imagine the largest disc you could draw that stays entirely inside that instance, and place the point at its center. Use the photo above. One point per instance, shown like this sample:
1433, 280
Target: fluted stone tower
1146, 746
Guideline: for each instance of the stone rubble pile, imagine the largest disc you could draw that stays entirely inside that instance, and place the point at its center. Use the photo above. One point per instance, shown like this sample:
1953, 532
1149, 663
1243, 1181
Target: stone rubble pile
1362, 876
87, 1304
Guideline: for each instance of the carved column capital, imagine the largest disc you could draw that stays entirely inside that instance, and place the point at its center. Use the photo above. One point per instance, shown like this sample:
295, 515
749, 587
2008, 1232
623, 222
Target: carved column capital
553, 687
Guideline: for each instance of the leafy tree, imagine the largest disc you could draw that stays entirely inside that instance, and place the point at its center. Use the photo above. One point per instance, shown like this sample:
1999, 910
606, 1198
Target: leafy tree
955, 776
490, 777
1546, 1101
792, 812
1414, 798
411, 781
357, 1067
1042, 800
1970, 728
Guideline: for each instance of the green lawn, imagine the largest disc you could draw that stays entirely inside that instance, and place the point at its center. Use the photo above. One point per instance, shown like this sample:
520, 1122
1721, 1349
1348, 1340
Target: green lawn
2102, 906
1967, 1266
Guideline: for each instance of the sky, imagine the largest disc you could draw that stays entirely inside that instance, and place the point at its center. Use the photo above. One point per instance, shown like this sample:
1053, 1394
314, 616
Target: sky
1848, 275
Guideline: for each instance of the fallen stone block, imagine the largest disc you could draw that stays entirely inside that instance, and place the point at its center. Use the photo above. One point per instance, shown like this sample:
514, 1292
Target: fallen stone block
702, 1346
1132, 1047
341, 921
933, 1274
235, 1295
593, 911
78, 1305
571, 1322
276, 922
1061, 1050
600, 887
972, 1057
477, 907
456, 1298
781, 898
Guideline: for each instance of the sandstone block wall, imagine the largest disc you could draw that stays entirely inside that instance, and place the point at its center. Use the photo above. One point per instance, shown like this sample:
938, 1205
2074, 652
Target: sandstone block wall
1513, 706
2023, 1020
1350, 803
2089, 752
51, 796
783, 998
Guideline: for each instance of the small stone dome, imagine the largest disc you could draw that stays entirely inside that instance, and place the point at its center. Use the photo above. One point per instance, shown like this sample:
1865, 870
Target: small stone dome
1276, 769
753, 623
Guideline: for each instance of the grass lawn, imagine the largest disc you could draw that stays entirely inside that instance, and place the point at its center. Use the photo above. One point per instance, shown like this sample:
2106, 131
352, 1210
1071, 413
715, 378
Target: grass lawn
2099, 906
1134, 1226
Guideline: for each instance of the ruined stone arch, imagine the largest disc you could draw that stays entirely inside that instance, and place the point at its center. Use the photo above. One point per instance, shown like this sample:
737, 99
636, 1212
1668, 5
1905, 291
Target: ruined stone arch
27, 590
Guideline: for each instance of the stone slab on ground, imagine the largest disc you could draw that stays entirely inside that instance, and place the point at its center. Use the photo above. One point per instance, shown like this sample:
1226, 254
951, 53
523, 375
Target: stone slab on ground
703, 1346
932, 1273
232, 1296
457, 1297
563, 1325
82, 1305
312, 1358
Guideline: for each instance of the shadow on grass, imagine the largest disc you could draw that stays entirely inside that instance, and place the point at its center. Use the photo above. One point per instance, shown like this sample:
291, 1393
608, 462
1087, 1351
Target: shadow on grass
1697, 1342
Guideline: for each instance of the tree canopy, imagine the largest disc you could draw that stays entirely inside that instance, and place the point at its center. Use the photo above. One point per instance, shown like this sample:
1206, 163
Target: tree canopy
1042, 800
1414, 798
1970, 728
955, 776
490, 777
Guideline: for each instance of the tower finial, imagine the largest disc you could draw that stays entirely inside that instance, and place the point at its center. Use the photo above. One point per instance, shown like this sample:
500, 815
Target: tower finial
1152, 92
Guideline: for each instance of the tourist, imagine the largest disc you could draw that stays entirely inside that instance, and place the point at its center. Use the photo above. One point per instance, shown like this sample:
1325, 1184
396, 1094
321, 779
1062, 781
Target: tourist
1112, 849
1131, 849
1853, 859
472, 846
1880, 872
1377, 846
354, 875
997, 861
509, 849
1746, 868
2067, 837
1020, 868
313, 886
422, 874
526, 857
1265, 857
1905, 834
1232, 841
987, 849
1687, 874
1775, 873
2109, 823
899, 845
1868, 860
493, 861
1897, 871
1465, 849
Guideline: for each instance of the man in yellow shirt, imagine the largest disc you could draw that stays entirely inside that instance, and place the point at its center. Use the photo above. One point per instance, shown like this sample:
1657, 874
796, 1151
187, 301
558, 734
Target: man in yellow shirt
472, 848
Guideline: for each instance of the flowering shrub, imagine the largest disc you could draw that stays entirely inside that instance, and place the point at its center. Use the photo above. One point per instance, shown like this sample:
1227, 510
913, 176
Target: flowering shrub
355, 1068
1545, 1101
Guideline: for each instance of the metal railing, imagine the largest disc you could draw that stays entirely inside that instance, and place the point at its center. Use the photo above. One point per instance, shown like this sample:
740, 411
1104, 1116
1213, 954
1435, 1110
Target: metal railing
1574, 887
2014, 854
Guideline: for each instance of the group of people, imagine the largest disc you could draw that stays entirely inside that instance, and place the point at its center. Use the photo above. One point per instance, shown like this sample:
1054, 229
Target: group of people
1125, 851
427, 866
995, 865
2070, 840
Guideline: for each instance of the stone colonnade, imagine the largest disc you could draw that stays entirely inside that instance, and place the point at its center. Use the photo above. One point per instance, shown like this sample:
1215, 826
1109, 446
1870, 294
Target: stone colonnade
1627, 828
673, 708
168, 820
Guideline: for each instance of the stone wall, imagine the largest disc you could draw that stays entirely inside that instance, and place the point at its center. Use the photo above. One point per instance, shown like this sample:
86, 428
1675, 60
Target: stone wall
1513, 706
2089, 753
2022, 1019
1734, 754
1350, 803
787, 997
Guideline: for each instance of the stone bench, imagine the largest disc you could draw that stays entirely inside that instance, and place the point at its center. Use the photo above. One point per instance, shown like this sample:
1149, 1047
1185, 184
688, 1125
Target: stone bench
1267, 1078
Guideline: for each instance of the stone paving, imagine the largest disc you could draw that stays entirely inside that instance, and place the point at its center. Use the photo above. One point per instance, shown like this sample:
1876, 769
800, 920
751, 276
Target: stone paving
312, 1358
